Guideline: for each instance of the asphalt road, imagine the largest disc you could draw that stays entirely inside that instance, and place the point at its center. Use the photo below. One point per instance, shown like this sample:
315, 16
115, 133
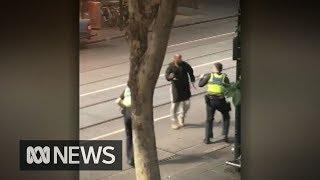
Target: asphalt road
104, 73
102, 84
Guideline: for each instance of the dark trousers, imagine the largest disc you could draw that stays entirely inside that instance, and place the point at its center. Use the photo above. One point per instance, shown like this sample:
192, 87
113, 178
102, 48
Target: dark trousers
214, 103
128, 128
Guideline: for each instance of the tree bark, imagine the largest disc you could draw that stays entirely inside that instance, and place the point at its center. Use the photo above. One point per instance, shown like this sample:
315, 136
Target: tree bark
146, 58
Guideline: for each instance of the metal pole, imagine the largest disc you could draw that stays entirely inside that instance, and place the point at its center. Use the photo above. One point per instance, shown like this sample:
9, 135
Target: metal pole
237, 144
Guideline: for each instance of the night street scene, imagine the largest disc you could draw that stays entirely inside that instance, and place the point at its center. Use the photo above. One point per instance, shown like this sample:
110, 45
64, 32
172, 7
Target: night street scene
158, 75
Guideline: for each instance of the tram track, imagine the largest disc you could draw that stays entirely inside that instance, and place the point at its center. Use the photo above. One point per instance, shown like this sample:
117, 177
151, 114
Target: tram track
121, 75
113, 99
156, 106
158, 86
104, 99
123, 61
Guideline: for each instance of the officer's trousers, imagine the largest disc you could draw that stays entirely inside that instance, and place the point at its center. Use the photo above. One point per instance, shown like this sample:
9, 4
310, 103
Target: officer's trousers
128, 127
214, 103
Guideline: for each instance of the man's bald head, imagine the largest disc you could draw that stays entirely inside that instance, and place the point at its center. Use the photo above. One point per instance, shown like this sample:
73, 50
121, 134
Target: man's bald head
177, 58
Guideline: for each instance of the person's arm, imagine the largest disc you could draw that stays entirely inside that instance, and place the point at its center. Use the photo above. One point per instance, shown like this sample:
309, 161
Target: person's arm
169, 74
226, 80
119, 100
190, 72
204, 80
122, 95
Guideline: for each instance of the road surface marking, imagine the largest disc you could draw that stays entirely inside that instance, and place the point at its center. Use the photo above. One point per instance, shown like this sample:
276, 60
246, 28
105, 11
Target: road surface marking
101, 90
122, 85
121, 130
206, 38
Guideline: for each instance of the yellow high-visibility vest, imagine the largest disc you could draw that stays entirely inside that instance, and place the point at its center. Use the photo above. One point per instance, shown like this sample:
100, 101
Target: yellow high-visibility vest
215, 84
127, 97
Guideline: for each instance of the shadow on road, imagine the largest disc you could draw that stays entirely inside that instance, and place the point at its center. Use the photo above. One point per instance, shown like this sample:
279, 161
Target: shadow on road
217, 156
202, 125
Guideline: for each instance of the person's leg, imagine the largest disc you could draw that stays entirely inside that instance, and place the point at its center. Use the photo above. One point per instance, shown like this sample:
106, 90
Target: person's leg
226, 124
173, 111
209, 122
129, 145
185, 106
214, 108
224, 109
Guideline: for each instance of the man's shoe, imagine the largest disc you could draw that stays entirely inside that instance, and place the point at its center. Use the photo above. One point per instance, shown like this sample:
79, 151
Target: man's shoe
181, 122
207, 141
175, 126
226, 139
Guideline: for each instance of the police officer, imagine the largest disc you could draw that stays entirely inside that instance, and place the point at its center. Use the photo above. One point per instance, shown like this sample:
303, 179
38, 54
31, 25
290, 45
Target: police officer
124, 101
215, 100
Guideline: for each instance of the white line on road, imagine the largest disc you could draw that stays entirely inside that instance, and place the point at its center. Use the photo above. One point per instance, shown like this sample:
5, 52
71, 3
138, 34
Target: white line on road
121, 130
206, 38
122, 85
102, 90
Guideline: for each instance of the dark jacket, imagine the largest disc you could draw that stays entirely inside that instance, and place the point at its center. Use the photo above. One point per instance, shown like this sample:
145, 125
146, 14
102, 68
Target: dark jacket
179, 78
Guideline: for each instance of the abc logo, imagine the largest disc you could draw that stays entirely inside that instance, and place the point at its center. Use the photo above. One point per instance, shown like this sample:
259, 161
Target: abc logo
70, 155
43, 158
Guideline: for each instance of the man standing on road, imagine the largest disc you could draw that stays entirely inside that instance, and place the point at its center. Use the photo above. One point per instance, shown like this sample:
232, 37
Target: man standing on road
124, 101
178, 73
215, 100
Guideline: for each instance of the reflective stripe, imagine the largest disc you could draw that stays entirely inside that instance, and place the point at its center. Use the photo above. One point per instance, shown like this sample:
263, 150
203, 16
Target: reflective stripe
215, 84
127, 97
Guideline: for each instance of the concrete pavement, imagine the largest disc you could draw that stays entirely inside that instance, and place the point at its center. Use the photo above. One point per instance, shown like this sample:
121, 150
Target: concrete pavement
180, 152
100, 85
209, 10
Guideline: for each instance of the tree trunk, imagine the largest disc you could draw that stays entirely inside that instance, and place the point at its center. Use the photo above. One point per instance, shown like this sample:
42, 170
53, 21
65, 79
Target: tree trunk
146, 58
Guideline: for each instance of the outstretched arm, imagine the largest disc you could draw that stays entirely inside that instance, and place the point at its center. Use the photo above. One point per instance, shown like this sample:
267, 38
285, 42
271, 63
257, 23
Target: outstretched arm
204, 80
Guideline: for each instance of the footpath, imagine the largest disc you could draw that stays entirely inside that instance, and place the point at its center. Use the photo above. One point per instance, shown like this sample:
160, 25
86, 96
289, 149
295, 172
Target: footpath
196, 163
182, 154
209, 10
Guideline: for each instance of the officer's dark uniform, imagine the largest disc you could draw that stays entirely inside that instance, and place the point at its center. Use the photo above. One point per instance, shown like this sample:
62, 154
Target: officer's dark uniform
215, 100
126, 111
